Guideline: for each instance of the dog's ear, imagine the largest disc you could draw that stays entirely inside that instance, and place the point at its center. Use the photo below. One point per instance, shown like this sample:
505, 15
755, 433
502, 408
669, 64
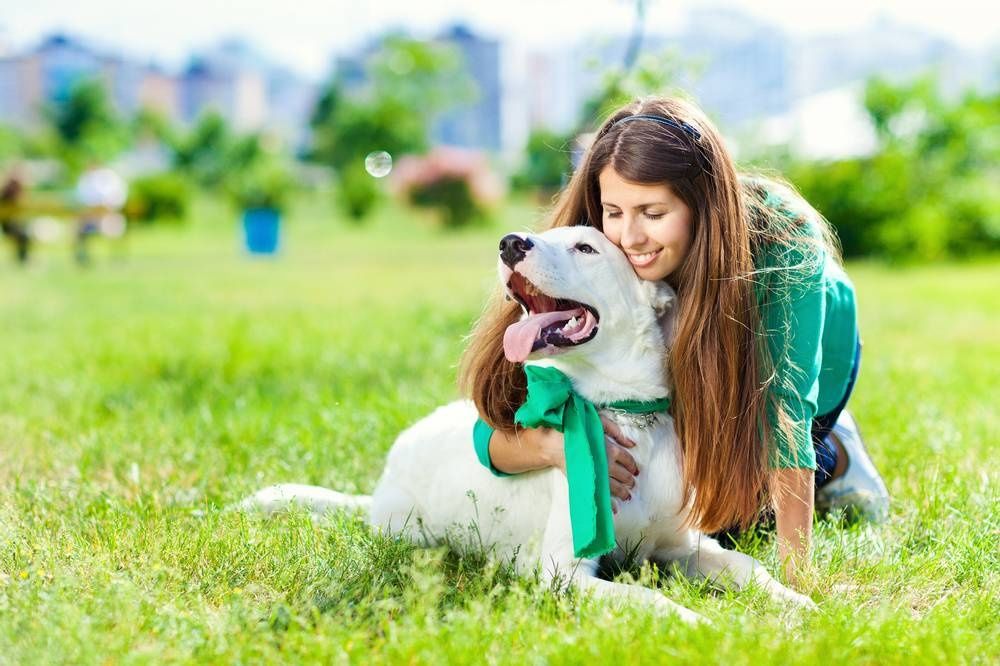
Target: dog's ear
663, 299
660, 296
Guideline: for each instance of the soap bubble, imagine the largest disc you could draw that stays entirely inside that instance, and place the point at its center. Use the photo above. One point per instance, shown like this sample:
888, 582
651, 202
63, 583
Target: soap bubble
378, 163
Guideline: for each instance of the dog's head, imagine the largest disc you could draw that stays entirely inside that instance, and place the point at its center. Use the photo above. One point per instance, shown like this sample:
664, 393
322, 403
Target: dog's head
583, 304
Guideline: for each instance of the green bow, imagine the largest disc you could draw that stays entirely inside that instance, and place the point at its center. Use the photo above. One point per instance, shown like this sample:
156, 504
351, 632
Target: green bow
553, 403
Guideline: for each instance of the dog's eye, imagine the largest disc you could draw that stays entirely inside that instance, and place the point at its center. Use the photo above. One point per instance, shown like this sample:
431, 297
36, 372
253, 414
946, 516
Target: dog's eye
586, 249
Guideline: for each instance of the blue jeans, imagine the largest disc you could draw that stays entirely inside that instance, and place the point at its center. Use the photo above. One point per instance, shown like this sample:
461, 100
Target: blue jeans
826, 451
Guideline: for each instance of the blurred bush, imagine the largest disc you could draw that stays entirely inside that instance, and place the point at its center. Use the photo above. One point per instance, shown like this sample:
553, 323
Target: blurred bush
929, 191
357, 192
162, 197
265, 182
458, 183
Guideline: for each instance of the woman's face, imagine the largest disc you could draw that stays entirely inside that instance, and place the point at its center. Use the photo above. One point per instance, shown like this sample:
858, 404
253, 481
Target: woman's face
648, 222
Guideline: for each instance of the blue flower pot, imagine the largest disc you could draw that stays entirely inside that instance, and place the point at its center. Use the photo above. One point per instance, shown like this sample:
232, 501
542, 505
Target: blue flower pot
261, 227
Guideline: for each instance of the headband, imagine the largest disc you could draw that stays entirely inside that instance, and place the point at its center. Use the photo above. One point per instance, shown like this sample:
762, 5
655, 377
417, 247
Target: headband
663, 120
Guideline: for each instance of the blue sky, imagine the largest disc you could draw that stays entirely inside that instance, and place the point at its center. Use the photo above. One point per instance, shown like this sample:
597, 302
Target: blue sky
304, 33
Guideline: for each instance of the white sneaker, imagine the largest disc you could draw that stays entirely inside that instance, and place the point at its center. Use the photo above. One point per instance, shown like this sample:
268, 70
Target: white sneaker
859, 491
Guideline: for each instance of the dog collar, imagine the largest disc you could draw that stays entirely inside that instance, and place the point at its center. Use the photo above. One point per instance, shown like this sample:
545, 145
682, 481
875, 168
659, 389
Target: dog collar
553, 403
637, 406
642, 414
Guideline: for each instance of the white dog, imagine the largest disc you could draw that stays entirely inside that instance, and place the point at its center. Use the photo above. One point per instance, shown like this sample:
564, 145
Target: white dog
589, 316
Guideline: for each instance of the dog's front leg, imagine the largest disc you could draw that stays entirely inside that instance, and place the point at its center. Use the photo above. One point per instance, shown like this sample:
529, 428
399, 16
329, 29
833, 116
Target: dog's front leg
718, 564
559, 564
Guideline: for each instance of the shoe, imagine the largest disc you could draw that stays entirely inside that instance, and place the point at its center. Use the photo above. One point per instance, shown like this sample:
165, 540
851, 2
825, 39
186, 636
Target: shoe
859, 492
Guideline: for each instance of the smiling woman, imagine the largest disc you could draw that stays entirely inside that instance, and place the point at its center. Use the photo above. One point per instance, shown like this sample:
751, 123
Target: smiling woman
649, 222
765, 347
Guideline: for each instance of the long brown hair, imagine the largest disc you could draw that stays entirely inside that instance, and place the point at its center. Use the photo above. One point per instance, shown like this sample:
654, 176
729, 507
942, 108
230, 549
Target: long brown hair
722, 372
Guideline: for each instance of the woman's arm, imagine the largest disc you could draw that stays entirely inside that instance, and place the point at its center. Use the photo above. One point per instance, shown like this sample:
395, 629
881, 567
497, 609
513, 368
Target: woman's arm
793, 511
525, 449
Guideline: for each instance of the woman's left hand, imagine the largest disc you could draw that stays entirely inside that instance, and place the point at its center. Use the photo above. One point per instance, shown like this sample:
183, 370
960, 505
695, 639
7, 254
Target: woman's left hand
621, 465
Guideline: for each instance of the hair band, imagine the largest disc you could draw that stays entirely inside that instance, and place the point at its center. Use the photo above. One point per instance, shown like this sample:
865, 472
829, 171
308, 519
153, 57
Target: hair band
663, 120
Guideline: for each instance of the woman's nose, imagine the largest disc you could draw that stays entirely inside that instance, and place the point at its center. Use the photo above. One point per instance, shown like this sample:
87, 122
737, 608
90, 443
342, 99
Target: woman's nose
632, 233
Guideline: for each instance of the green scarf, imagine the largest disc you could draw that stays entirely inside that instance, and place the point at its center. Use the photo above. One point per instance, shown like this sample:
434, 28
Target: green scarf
553, 403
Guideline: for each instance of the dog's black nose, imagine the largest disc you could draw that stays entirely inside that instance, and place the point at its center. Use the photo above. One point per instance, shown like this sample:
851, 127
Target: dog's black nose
513, 248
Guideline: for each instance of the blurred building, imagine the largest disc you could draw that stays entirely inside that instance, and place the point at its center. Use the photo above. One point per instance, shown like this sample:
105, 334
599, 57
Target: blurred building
21, 90
238, 95
478, 124
750, 76
743, 70
47, 74
552, 96
248, 90
744, 66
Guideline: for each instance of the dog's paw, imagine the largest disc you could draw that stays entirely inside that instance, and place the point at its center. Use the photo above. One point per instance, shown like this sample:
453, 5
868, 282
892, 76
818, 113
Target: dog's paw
666, 608
794, 599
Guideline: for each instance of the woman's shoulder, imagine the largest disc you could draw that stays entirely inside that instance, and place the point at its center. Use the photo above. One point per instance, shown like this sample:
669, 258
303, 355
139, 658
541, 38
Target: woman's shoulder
789, 232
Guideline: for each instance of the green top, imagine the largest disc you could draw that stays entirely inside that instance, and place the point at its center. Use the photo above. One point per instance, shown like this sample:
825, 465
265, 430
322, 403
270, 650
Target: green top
809, 315
808, 312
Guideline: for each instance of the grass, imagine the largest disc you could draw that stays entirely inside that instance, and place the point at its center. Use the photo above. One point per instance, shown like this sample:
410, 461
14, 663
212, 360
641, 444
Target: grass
140, 396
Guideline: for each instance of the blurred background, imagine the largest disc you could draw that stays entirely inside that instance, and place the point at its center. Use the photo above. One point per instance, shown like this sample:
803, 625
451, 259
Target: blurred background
117, 118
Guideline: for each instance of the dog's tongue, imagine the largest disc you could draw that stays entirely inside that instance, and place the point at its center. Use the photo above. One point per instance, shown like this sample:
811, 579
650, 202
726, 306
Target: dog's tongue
519, 338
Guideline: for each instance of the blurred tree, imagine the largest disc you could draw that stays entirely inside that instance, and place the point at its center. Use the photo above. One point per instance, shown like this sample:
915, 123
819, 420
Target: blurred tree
85, 125
151, 124
547, 162
929, 191
548, 155
649, 74
408, 83
203, 152
635, 39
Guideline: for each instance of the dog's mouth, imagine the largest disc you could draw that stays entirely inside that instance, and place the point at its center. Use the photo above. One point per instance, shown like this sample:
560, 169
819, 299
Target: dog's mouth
551, 325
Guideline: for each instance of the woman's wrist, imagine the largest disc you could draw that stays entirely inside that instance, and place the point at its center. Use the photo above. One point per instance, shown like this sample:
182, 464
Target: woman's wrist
793, 510
550, 443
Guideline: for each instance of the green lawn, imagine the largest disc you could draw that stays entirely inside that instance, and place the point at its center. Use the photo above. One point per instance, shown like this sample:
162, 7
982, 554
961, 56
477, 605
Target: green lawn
140, 396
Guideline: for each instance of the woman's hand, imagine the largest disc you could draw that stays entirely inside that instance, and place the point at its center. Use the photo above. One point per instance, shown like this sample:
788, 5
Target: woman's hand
537, 448
621, 465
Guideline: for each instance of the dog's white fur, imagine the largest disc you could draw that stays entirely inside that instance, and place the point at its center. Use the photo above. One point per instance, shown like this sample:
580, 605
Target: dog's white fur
433, 488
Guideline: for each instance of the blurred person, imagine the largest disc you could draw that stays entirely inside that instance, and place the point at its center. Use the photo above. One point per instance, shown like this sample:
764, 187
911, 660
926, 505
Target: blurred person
765, 349
14, 228
102, 194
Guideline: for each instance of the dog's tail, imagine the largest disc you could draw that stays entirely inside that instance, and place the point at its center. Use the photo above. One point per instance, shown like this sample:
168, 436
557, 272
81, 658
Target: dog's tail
314, 499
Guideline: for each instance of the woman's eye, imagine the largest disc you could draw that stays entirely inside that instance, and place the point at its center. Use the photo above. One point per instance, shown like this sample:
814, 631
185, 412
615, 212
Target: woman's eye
655, 216
613, 214
586, 249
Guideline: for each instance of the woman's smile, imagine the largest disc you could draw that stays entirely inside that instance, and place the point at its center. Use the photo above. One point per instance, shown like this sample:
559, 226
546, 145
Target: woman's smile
641, 260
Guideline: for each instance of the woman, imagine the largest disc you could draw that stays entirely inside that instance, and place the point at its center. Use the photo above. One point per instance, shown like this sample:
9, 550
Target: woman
765, 345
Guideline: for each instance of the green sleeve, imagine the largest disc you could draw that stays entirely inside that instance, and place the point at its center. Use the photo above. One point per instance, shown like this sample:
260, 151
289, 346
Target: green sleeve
481, 434
793, 313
